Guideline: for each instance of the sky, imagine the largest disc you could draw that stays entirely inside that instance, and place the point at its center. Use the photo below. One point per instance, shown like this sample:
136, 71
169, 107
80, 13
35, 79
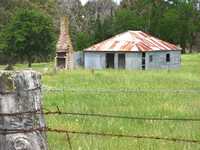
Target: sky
85, 1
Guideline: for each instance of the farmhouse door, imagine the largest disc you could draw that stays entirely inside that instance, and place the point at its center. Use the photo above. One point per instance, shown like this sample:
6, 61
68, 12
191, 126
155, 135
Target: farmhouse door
110, 58
121, 61
143, 61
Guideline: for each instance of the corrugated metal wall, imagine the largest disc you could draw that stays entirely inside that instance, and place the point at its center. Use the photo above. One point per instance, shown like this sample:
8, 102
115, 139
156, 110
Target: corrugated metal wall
78, 59
94, 60
97, 60
133, 61
159, 60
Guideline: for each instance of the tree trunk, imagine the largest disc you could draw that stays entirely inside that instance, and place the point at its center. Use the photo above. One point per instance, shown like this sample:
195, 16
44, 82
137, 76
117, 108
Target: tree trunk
191, 46
183, 51
30, 62
183, 45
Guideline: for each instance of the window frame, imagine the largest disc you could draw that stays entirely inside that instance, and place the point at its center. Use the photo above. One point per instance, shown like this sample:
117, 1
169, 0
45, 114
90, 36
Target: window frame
150, 58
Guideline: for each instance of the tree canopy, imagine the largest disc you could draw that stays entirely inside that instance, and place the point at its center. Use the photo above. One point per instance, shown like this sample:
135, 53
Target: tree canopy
28, 36
176, 21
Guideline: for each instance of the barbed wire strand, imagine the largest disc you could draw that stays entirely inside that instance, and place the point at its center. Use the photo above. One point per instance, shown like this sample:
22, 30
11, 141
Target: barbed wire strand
25, 90
14, 131
122, 117
143, 81
58, 112
21, 113
180, 91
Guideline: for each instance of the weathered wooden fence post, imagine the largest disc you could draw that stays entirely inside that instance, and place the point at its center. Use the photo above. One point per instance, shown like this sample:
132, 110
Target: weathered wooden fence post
21, 92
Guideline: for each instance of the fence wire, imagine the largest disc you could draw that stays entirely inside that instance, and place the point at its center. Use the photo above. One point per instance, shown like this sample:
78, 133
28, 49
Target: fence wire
103, 134
139, 90
94, 133
59, 112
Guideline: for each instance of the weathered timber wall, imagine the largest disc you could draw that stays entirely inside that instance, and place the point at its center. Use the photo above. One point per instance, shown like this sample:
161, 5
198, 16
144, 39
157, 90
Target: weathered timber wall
21, 92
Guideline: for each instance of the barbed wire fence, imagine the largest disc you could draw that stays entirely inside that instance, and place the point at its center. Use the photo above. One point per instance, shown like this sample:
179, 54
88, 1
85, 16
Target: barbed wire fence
59, 112
67, 132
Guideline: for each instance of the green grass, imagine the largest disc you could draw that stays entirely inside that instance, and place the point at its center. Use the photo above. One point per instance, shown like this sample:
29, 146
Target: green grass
41, 67
83, 93
144, 104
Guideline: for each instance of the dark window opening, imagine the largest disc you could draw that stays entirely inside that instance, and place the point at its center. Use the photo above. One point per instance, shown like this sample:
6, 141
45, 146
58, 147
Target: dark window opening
143, 61
121, 61
61, 63
151, 58
110, 59
168, 58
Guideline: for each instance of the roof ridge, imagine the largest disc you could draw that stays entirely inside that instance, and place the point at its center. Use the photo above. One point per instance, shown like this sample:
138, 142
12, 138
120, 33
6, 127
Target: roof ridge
145, 41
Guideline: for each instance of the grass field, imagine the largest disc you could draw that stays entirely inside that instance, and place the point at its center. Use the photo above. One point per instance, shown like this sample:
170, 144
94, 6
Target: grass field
103, 92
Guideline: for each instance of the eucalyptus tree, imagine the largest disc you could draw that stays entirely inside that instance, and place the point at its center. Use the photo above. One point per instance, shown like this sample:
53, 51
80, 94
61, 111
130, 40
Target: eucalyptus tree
28, 36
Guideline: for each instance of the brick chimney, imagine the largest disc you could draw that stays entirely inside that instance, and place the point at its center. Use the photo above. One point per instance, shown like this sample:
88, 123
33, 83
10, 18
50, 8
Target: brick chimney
64, 49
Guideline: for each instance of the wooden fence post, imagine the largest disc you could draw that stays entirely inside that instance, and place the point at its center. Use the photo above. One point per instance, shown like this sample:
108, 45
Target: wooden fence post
21, 92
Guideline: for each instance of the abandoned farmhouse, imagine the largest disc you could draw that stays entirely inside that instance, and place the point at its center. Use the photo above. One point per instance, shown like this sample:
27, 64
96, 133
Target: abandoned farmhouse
132, 50
129, 50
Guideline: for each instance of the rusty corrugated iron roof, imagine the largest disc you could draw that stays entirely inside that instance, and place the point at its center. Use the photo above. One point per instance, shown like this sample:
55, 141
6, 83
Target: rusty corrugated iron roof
133, 41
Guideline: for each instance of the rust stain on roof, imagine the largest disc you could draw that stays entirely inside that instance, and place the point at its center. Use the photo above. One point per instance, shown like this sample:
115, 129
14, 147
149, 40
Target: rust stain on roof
133, 41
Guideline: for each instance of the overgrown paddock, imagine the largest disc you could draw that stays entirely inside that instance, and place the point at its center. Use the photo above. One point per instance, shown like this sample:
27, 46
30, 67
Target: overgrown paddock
168, 94
165, 94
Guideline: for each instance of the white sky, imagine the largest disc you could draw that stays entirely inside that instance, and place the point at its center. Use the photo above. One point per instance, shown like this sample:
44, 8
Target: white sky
84, 1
